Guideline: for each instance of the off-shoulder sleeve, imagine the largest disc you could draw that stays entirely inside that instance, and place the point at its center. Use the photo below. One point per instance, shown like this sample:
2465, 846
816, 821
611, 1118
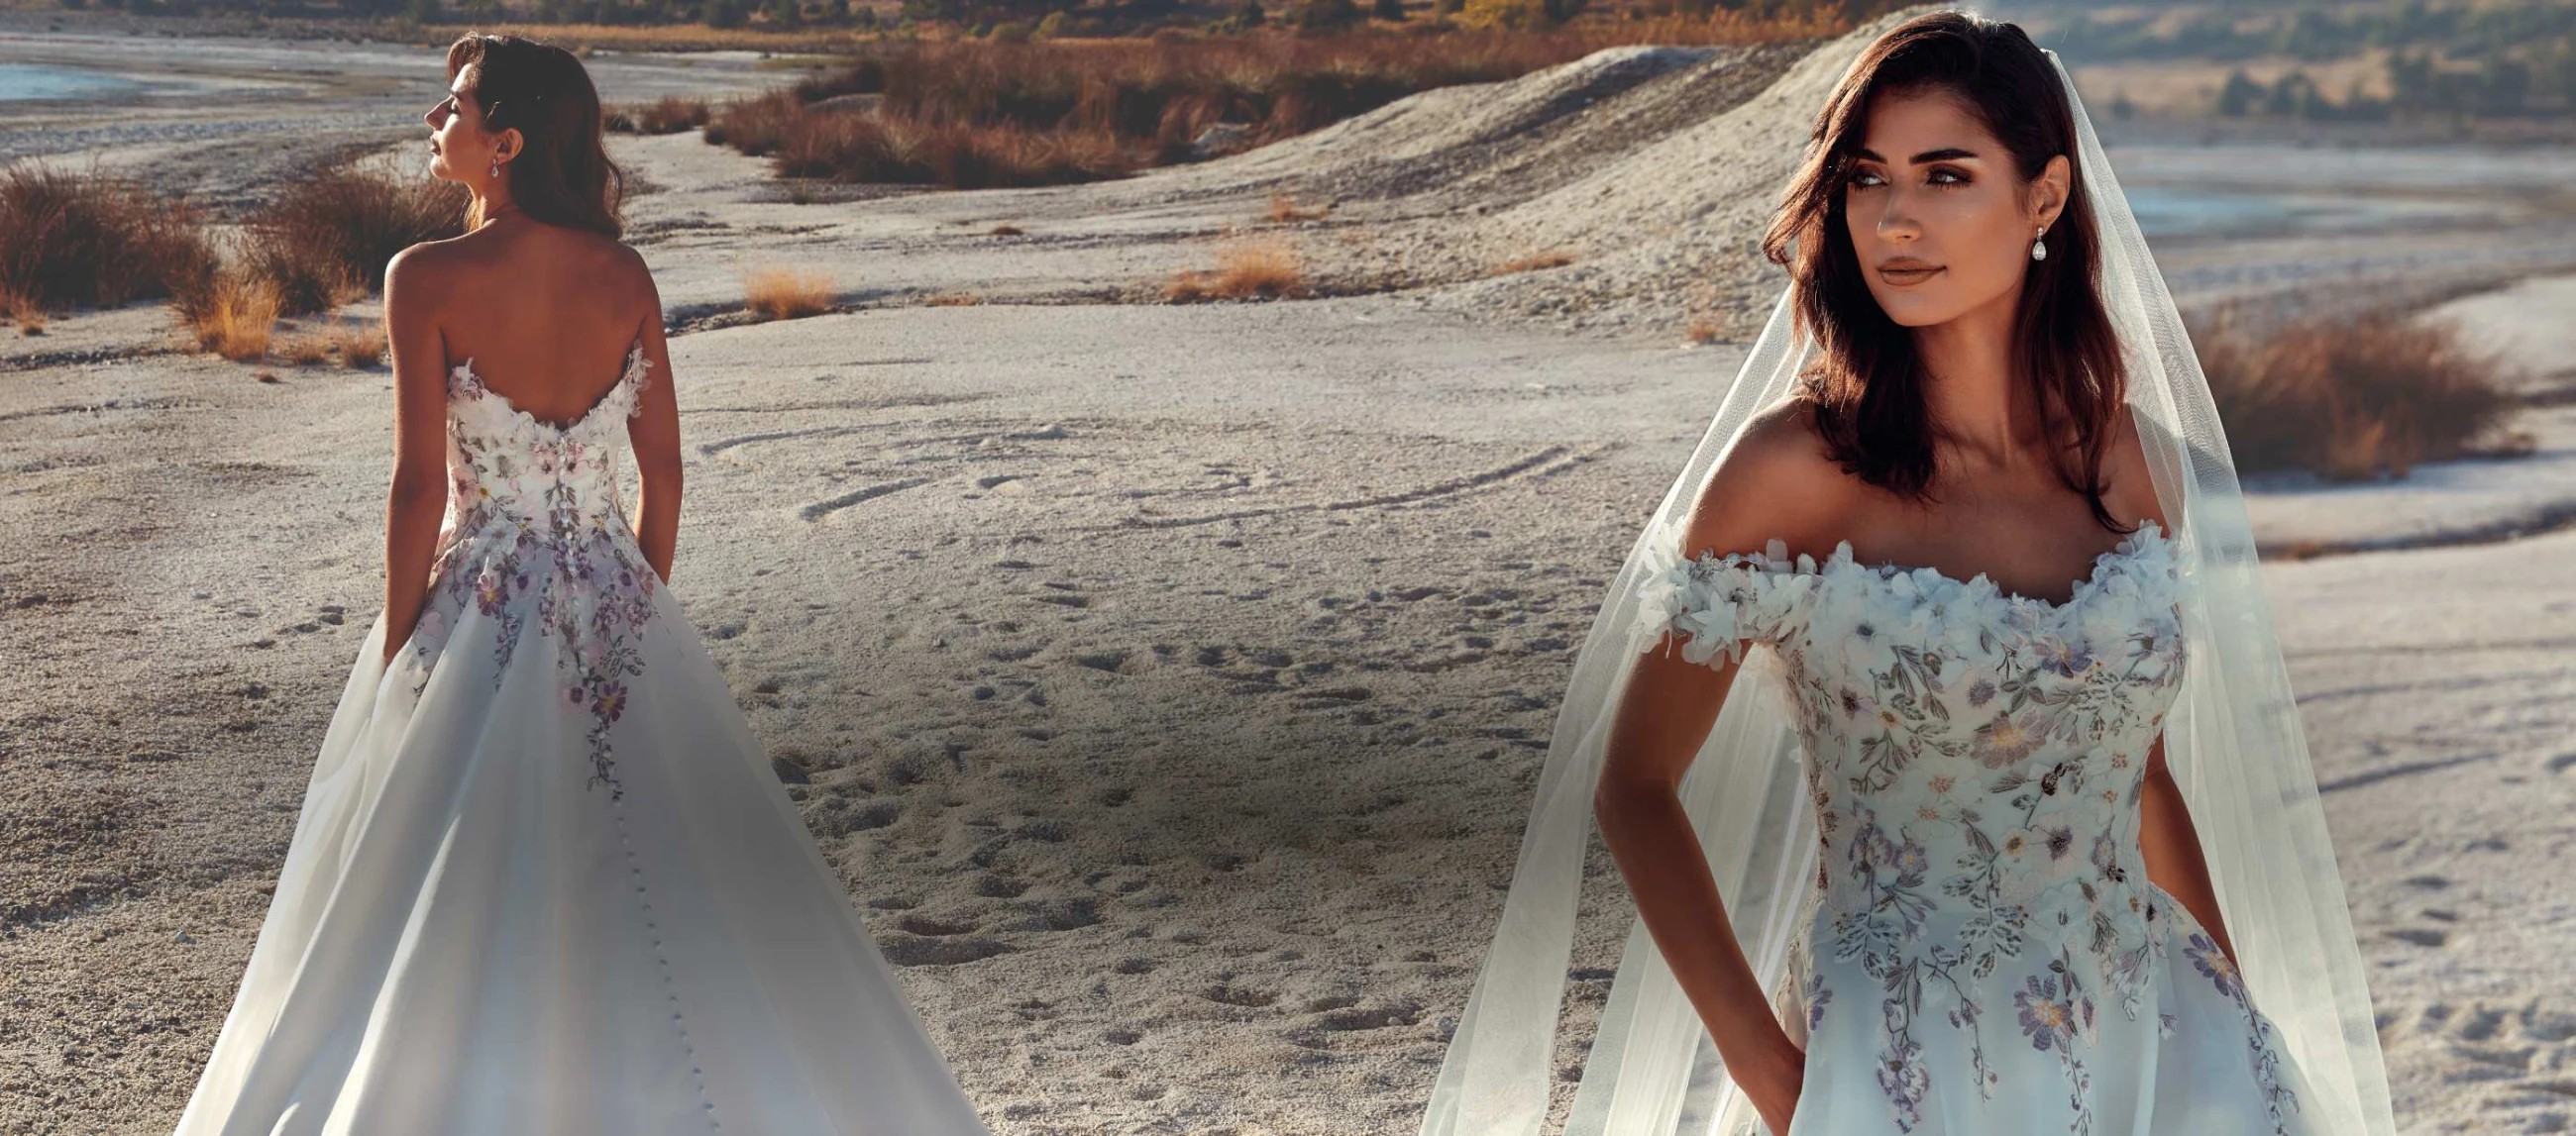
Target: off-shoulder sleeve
1713, 603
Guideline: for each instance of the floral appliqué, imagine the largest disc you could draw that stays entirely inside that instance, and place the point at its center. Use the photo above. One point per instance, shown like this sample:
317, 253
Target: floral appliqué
1974, 760
535, 536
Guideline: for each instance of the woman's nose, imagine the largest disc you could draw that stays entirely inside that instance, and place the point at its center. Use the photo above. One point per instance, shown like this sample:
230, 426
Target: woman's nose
1896, 219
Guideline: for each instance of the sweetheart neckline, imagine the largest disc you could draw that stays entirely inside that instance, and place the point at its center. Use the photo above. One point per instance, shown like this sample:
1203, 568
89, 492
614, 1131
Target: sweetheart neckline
2129, 548
635, 363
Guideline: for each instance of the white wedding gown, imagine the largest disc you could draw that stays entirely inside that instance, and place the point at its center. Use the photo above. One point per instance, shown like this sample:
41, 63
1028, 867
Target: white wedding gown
544, 881
1982, 953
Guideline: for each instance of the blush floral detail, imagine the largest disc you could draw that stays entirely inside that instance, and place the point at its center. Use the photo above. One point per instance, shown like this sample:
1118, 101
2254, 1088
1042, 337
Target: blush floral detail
1974, 760
535, 531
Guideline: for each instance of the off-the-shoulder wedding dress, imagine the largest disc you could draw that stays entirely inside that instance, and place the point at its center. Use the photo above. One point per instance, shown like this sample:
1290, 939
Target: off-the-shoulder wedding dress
1982, 953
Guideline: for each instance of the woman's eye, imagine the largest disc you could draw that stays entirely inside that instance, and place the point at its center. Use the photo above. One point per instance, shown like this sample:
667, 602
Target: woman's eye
1864, 180
1949, 177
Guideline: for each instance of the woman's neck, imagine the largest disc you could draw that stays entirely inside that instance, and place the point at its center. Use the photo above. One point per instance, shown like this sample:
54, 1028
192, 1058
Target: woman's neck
1981, 409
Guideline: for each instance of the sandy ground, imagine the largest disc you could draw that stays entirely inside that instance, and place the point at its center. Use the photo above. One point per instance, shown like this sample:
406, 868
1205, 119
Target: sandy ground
1168, 681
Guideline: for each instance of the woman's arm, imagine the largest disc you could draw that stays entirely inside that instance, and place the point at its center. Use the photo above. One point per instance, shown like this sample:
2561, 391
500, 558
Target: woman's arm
1663, 716
654, 433
2172, 848
1772, 484
419, 492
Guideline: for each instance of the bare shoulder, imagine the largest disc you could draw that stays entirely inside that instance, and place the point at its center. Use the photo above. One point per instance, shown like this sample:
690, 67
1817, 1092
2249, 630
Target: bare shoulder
425, 265
2129, 490
419, 281
1777, 482
625, 270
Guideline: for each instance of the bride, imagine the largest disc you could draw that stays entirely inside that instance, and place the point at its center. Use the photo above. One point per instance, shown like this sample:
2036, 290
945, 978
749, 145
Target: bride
1975, 851
544, 880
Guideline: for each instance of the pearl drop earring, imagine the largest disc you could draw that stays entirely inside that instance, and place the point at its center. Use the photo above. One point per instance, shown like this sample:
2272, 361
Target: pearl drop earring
496, 165
2038, 247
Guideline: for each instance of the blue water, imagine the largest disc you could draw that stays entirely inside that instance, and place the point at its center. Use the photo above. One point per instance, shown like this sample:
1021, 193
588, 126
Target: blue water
2169, 211
24, 81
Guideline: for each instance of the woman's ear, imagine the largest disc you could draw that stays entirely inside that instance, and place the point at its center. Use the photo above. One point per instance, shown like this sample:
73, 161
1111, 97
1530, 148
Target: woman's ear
2049, 191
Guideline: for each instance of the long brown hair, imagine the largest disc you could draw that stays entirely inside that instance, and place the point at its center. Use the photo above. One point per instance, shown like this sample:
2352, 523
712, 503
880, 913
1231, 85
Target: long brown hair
1867, 389
562, 176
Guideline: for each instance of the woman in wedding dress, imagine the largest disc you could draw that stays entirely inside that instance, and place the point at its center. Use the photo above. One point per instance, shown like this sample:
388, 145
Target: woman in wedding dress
1923, 838
544, 880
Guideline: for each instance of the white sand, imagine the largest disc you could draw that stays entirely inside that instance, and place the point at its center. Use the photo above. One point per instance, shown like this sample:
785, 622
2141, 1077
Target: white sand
1169, 681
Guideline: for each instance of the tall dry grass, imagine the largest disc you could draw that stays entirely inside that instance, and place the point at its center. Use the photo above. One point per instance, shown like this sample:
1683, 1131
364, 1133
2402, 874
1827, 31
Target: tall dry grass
325, 238
234, 315
1016, 113
785, 293
87, 240
356, 346
670, 114
1244, 271
2352, 398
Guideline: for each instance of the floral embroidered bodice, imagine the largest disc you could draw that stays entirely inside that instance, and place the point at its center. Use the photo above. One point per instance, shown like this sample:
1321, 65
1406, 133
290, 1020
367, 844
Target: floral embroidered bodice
505, 464
535, 530
1974, 760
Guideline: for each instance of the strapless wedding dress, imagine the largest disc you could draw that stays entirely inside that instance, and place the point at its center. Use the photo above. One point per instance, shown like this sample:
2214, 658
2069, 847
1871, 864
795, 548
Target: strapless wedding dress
544, 880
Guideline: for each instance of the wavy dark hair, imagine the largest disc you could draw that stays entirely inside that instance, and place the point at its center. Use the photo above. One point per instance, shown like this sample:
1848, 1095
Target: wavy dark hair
1866, 391
562, 176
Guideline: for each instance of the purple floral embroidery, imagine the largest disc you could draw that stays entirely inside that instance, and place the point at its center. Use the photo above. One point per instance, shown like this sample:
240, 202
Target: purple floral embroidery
2213, 965
1973, 760
533, 515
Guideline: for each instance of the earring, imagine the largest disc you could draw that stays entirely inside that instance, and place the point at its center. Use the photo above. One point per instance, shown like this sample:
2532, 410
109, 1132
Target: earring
496, 166
2038, 247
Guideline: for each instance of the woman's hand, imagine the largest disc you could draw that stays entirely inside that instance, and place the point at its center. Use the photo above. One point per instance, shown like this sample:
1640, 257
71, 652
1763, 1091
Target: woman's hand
1773, 1084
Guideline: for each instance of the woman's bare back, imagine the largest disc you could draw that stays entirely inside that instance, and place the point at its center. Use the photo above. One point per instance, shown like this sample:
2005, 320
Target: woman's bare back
547, 315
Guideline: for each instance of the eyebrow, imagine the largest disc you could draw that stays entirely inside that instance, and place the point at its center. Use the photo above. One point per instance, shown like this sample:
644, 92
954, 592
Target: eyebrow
1943, 154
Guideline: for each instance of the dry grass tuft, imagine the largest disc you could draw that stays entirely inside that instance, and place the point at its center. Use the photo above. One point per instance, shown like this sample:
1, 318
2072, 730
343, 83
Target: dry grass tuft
1262, 269
1552, 258
1007, 231
234, 316
1702, 330
669, 115
360, 345
784, 293
23, 312
1284, 210
2350, 399
303, 351
952, 300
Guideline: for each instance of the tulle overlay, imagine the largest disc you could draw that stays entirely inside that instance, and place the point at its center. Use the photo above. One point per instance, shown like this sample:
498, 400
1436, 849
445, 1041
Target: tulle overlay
544, 880
1981, 950
2232, 738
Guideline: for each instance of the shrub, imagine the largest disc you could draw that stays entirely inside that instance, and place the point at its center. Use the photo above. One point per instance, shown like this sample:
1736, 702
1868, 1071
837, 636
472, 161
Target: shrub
669, 115
2349, 398
87, 240
325, 238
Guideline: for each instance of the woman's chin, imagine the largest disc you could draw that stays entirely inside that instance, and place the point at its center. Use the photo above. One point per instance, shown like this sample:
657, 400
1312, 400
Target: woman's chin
1906, 309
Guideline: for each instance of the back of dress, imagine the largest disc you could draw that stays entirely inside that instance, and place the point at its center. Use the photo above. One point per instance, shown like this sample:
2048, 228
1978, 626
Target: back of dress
544, 879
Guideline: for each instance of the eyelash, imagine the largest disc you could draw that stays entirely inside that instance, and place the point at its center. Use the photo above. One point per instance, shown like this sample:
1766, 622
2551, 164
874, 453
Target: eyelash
1938, 172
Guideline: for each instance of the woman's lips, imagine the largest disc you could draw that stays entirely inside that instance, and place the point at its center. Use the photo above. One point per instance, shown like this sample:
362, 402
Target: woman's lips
1907, 277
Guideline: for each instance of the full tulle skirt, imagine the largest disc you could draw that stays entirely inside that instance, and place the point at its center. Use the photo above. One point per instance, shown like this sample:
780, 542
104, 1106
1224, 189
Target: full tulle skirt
505, 911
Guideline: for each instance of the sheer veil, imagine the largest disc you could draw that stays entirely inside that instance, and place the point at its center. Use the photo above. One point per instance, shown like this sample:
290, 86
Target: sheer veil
2233, 741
